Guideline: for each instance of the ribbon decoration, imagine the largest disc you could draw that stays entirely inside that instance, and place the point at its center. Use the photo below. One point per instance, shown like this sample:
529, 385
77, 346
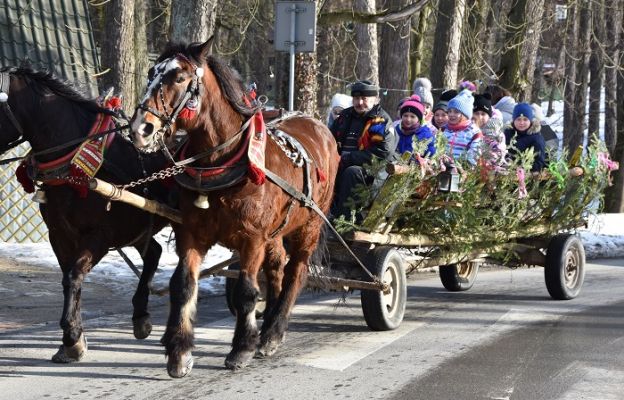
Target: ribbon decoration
522, 190
552, 168
603, 159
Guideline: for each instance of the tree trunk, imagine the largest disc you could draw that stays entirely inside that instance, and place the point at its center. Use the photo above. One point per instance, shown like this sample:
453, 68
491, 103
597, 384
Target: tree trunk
306, 84
192, 20
582, 74
158, 12
472, 64
495, 35
569, 112
117, 51
556, 80
538, 79
596, 68
446, 43
614, 201
612, 33
367, 62
394, 56
522, 41
418, 42
140, 52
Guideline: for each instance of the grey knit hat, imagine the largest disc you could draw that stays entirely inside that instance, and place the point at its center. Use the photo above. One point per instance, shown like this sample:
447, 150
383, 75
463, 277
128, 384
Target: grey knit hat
422, 87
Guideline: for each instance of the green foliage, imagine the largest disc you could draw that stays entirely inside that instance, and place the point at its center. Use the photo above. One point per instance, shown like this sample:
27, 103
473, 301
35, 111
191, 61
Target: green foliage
493, 206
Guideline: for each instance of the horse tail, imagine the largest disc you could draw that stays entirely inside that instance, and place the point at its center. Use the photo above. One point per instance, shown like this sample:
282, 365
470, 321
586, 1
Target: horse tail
320, 256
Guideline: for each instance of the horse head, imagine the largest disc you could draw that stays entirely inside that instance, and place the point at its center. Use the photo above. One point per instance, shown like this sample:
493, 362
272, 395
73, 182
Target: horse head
191, 90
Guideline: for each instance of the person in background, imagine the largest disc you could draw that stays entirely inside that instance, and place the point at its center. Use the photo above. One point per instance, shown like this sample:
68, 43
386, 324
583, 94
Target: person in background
464, 138
550, 137
440, 116
491, 125
363, 131
411, 127
338, 103
422, 88
502, 101
525, 131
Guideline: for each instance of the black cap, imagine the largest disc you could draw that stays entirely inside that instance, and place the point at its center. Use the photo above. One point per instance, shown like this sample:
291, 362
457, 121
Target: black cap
483, 102
364, 88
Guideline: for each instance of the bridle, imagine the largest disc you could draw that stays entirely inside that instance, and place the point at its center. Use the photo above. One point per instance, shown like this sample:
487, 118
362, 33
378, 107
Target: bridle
5, 84
190, 99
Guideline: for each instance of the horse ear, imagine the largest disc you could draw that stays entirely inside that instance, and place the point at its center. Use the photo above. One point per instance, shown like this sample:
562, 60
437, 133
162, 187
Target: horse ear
201, 51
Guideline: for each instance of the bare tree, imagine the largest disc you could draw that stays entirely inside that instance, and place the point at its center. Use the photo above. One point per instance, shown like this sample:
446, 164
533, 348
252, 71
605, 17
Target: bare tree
367, 63
521, 44
569, 112
495, 35
117, 51
394, 57
445, 57
472, 63
613, 16
140, 51
417, 41
192, 20
596, 67
582, 74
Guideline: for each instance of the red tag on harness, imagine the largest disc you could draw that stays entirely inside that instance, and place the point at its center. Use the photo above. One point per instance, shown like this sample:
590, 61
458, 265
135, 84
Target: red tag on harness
257, 148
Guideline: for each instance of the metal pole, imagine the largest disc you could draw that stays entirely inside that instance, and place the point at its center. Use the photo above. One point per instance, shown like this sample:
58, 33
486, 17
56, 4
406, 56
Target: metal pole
291, 79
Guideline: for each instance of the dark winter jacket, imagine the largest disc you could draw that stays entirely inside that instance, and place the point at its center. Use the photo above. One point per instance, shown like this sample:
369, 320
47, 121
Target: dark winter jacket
532, 138
356, 144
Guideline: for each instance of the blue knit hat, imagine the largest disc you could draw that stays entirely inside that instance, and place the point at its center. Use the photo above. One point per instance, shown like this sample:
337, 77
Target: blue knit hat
463, 103
523, 110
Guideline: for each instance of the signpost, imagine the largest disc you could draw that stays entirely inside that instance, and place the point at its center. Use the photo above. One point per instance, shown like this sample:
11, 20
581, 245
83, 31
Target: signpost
295, 32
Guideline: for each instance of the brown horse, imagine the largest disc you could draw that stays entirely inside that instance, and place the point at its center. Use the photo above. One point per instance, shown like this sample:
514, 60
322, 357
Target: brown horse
49, 114
191, 90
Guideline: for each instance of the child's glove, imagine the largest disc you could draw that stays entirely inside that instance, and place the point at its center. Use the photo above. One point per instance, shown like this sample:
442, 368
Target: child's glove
378, 129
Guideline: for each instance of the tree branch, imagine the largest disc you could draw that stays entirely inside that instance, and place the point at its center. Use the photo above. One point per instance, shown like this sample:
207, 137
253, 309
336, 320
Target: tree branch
336, 17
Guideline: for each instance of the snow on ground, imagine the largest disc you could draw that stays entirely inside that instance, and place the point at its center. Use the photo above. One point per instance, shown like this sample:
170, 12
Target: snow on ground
114, 268
604, 238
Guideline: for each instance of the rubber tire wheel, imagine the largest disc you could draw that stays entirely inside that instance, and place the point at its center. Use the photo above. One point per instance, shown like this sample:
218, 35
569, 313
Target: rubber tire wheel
385, 311
459, 277
564, 270
230, 284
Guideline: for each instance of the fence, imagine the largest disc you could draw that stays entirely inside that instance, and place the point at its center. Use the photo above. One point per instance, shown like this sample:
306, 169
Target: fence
20, 220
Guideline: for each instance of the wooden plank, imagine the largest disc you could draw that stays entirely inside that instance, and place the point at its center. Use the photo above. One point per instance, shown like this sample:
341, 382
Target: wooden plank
114, 193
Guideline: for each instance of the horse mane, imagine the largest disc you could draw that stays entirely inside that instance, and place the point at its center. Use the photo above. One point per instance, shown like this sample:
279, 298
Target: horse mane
228, 78
48, 82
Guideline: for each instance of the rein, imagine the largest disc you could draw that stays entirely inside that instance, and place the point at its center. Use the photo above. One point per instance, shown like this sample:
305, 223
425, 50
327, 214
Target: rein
60, 146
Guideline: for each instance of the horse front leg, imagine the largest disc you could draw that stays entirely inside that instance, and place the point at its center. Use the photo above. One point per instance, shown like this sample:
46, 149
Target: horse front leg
273, 268
74, 345
245, 296
178, 338
142, 325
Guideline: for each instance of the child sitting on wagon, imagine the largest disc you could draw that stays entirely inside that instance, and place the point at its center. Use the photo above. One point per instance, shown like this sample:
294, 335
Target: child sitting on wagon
464, 138
411, 128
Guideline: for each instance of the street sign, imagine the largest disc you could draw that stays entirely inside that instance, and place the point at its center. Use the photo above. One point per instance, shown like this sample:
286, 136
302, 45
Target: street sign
305, 26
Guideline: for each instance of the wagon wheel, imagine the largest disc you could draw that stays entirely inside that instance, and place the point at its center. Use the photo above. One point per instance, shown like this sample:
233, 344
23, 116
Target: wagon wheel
459, 277
564, 270
384, 311
230, 283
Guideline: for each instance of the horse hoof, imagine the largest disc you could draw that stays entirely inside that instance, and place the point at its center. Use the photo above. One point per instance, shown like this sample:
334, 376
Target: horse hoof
238, 360
268, 347
182, 368
66, 355
142, 327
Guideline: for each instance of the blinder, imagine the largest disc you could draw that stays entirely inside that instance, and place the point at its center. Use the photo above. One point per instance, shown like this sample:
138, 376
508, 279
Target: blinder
5, 84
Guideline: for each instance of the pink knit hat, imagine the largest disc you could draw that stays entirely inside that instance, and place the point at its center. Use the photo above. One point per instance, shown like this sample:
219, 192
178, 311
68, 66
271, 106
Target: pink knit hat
413, 105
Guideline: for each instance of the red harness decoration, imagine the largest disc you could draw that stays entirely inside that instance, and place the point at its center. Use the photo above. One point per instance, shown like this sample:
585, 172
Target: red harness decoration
254, 148
84, 162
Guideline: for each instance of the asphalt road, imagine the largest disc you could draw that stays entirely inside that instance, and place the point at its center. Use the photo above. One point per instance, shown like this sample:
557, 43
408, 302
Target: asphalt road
503, 339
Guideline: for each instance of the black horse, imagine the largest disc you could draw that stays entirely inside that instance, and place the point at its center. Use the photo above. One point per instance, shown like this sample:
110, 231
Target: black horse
48, 113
